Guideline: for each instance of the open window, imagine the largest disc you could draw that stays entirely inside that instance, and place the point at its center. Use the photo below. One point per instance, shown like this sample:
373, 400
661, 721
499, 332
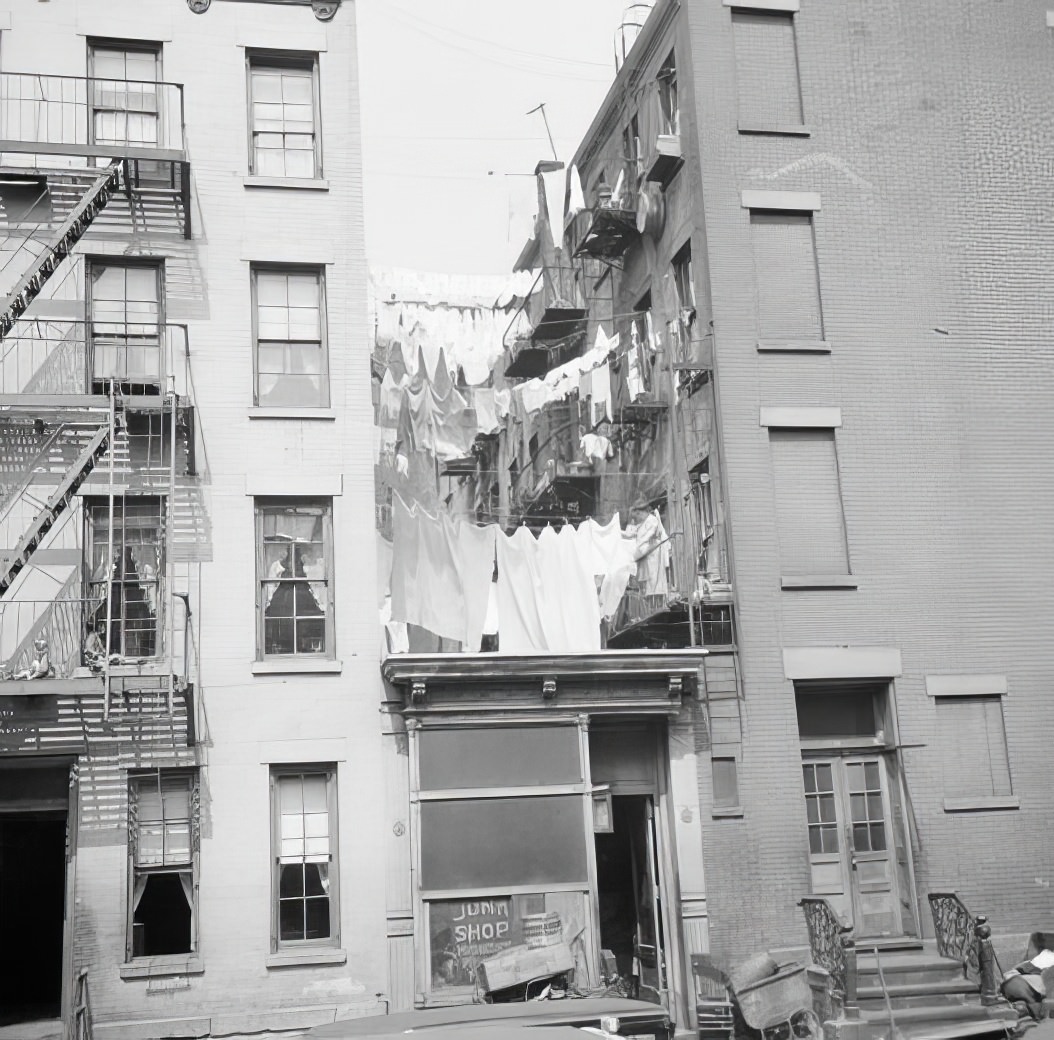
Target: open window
126, 576
163, 852
304, 876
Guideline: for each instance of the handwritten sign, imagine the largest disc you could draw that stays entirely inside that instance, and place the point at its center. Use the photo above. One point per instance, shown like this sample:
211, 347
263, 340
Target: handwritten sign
464, 932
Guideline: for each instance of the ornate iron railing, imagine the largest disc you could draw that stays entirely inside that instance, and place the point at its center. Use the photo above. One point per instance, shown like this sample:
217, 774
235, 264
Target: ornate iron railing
832, 947
956, 931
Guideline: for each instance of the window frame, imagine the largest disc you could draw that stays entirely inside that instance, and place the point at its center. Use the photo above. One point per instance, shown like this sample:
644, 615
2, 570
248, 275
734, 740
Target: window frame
669, 99
747, 122
154, 47
261, 504
136, 779
93, 502
684, 289
957, 801
275, 775
255, 269
277, 60
96, 262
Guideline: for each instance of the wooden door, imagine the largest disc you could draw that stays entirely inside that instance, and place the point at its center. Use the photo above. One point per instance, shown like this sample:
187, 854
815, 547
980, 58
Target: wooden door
851, 847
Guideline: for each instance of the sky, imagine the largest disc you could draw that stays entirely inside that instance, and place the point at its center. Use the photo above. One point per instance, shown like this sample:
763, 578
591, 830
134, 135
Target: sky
448, 144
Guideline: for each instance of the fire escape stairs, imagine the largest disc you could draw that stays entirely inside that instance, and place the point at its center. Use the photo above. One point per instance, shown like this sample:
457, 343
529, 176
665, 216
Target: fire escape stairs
65, 238
55, 506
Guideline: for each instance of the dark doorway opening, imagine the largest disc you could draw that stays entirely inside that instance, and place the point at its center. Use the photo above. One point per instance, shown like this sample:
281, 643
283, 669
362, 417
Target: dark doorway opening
32, 898
627, 893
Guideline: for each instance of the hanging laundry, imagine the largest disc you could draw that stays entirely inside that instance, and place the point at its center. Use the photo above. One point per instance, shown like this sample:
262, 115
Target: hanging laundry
502, 401
474, 559
535, 395
391, 400
397, 637
384, 568
442, 384
652, 552
405, 550
576, 197
490, 622
486, 411
600, 395
634, 374
555, 184
596, 448
519, 586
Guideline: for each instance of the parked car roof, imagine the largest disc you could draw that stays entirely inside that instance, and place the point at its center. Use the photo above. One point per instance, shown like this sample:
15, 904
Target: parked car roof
571, 1012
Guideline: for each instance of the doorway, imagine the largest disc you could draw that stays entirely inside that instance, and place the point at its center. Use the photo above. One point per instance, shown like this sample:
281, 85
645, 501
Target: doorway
628, 895
851, 844
32, 910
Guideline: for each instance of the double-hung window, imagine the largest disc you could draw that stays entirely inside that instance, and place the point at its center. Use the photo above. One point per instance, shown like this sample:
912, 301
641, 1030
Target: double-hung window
684, 287
294, 567
125, 316
669, 106
289, 318
125, 582
304, 876
124, 93
285, 139
162, 847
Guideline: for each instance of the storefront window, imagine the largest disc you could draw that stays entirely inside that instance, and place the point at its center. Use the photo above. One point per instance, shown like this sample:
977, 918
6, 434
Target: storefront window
464, 932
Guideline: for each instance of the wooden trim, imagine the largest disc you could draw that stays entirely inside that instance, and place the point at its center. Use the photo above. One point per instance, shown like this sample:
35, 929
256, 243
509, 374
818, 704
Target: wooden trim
801, 417
294, 485
438, 895
402, 669
818, 346
967, 685
776, 129
804, 201
458, 794
982, 804
791, 582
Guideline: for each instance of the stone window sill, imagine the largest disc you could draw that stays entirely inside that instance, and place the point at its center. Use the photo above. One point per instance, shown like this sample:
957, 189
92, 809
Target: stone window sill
732, 812
819, 581
776, 129
160, 967
295, 958
982, 803
295, 183
328, 414
291, 666
818, 346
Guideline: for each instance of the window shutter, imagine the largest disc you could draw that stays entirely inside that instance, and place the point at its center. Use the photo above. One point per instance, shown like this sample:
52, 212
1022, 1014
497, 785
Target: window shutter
973, 743
766, 68
788, 284
808, 502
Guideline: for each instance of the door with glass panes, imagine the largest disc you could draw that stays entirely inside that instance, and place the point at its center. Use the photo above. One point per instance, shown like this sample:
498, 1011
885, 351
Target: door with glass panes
851, 847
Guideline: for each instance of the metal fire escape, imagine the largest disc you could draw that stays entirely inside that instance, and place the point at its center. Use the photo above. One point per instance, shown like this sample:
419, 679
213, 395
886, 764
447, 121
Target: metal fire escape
66, 403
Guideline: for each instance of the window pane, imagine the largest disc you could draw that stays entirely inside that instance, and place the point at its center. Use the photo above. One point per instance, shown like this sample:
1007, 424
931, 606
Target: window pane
726, 783
291, 880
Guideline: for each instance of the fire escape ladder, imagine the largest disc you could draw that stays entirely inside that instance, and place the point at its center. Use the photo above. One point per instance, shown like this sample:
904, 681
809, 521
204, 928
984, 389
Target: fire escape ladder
55, 506
65, 238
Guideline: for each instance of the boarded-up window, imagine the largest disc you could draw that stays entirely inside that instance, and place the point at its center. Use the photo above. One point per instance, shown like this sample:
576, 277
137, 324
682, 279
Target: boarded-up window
788, 284
808, 502
766, 69
726, 783
973, 740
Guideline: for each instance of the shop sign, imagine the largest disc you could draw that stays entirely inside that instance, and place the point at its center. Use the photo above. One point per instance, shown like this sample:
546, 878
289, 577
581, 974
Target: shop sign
465, 931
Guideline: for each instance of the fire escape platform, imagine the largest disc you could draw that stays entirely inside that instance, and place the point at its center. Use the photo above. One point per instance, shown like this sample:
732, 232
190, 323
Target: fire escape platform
91, 402
91, 151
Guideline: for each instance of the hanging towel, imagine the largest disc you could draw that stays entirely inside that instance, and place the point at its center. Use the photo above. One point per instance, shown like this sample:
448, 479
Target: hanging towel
600, 394
555, 184
652, 552
519, 587
486, 411
440, 603
577, 200
405, 550
502, 401
474, 558
384, 568
571, 595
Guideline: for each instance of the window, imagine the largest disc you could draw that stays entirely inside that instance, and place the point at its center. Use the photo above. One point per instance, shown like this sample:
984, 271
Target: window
726, 783
294, 567
304, 878
973, 740
124, 93
669, 107
684, 286
283, 116
641, 355
766, 70
808, 502
292, 367
134, 573
162, 849
788, 283
125, 316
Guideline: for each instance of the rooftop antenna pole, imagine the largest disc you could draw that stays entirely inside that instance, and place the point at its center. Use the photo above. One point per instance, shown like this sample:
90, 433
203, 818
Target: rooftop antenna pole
541, 108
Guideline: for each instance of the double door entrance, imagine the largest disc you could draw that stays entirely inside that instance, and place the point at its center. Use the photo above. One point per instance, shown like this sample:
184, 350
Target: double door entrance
858, 848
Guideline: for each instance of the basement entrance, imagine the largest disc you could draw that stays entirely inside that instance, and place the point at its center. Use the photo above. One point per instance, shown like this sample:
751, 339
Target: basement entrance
32, 891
